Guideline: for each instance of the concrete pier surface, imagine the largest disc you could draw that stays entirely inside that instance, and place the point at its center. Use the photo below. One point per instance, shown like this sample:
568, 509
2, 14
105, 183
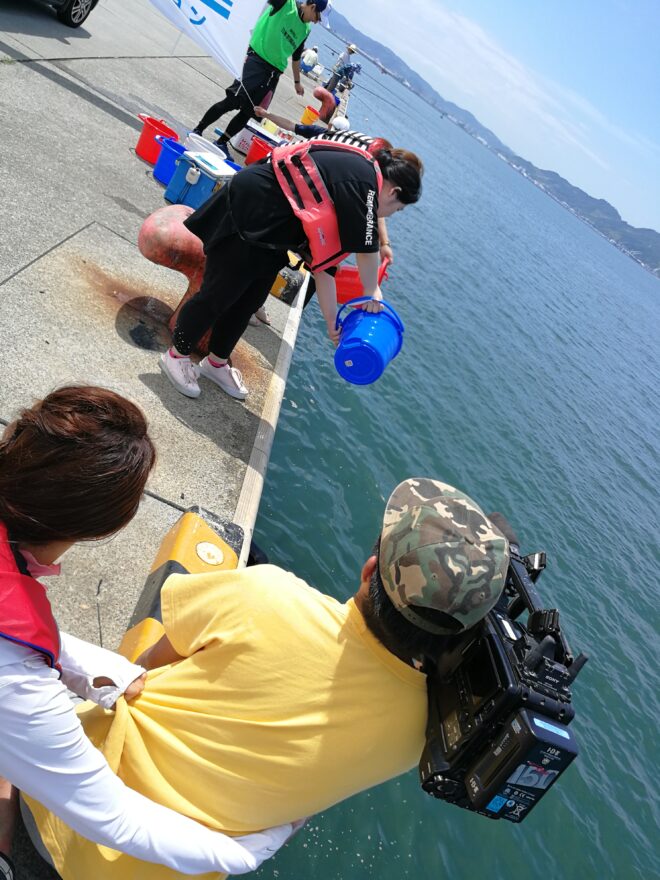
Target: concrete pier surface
80, 304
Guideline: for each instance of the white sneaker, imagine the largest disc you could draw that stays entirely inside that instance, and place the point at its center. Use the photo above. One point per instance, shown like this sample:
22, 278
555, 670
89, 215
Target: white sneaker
181, 373
228, 378
262, 315
254, 321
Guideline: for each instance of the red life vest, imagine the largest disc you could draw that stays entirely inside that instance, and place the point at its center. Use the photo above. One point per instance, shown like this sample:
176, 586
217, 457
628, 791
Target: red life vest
303, 186
25, 613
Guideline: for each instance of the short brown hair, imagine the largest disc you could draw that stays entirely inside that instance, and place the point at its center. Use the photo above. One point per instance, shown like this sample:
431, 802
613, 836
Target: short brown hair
74, 466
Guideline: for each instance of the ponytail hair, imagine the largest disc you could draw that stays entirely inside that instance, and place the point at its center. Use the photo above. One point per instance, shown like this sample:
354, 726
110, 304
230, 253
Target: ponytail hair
402, 169
74, 466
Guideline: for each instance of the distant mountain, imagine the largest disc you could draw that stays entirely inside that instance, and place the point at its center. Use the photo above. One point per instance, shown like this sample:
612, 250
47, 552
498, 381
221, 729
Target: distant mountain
643, 245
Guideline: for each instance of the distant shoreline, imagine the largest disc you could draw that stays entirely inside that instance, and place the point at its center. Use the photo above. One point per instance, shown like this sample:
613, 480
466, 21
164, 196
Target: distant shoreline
640, 244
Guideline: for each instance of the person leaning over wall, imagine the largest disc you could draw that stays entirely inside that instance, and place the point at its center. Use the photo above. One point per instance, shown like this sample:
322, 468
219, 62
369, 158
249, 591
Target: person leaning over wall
338, 130
268, 209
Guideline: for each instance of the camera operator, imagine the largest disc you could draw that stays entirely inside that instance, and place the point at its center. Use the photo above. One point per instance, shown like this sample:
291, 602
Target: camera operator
270, 701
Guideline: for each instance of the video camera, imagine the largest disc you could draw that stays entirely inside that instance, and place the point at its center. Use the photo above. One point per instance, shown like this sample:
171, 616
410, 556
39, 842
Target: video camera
497, 736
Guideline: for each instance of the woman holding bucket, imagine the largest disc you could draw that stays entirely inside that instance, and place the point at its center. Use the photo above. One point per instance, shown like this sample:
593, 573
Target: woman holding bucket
320, 199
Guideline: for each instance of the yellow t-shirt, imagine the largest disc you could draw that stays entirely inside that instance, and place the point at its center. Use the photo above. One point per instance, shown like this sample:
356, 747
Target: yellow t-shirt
284, 705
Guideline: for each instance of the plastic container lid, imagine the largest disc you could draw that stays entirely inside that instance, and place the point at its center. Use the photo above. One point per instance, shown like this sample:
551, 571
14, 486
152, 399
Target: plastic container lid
210, 163
199, 144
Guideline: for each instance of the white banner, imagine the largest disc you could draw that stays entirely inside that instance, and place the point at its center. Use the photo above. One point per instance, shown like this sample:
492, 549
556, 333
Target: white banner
221, 27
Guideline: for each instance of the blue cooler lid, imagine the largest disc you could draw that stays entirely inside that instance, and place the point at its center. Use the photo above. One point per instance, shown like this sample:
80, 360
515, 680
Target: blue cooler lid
211, 164
358, 362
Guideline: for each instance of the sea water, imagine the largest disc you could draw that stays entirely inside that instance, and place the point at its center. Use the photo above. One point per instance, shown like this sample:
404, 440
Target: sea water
529, 378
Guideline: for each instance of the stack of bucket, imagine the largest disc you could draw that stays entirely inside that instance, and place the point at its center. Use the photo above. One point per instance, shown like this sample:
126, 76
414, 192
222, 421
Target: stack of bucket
190, 175
170, 151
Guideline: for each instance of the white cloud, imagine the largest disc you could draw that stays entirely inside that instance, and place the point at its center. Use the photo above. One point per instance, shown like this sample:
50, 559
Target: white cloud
545, 122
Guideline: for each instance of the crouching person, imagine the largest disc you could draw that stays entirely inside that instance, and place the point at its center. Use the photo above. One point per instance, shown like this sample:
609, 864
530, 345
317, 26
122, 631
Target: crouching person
73, 468
269, 701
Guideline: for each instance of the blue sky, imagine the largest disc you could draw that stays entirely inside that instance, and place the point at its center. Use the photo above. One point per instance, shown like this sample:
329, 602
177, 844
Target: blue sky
571, 85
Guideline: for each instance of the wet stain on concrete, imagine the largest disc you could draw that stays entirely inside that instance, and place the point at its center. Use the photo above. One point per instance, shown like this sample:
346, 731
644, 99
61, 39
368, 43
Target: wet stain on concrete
252, 365
143, 298
145, 337
125, 205
141, 316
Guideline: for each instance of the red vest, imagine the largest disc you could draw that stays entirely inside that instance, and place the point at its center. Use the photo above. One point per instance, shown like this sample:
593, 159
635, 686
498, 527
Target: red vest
25, 613
310, 201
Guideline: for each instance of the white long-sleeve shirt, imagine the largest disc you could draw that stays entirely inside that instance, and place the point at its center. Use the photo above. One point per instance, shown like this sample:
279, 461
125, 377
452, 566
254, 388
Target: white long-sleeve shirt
44, 752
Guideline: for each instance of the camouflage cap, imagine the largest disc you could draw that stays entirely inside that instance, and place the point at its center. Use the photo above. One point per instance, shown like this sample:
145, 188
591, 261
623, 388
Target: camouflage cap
438, 550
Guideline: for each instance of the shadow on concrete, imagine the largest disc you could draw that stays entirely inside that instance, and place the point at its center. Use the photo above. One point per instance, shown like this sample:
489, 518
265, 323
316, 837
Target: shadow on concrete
28, 862
142, 323
265, 340
228, 423
37, 18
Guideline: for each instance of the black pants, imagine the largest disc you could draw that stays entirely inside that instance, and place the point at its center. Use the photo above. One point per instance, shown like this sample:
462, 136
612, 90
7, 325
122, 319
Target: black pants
331, 84
259, 77
237, 279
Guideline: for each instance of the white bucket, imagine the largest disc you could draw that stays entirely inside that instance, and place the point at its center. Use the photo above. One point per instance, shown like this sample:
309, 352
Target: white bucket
198, 144
241, 141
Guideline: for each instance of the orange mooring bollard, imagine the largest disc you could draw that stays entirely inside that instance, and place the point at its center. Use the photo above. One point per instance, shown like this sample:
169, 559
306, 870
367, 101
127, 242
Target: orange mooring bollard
164, 240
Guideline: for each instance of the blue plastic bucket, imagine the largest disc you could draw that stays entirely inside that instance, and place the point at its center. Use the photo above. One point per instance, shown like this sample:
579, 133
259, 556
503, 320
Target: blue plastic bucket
171, 149
368, 342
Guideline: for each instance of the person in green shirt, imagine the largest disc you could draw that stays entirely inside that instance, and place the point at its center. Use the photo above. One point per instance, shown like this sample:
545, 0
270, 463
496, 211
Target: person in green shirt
278, 35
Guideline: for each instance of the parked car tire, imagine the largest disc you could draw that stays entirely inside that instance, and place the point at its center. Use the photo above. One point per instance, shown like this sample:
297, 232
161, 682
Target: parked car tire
75, 12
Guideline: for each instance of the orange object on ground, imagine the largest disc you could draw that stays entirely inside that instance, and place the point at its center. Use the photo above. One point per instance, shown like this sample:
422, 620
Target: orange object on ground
348, 281
164, 240
328, 103
147, 147
259, 149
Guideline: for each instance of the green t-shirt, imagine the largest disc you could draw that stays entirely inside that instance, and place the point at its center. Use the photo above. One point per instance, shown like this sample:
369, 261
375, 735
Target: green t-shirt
277, 35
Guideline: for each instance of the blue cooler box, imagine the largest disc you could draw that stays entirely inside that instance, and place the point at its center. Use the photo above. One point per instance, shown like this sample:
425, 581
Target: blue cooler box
197, 177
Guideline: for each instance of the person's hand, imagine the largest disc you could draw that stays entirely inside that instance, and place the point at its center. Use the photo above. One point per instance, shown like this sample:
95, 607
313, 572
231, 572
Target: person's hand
136, 687
334, 333
375, 304
298, 825
261, 845
300, 89
133, 690
386, 253
260, 112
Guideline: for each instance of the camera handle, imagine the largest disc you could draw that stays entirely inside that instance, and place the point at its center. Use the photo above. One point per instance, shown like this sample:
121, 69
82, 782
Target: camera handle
544, 648
524, 572
576, 666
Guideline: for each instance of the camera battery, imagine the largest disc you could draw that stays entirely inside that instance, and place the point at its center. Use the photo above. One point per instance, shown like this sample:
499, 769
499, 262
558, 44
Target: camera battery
524, 761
